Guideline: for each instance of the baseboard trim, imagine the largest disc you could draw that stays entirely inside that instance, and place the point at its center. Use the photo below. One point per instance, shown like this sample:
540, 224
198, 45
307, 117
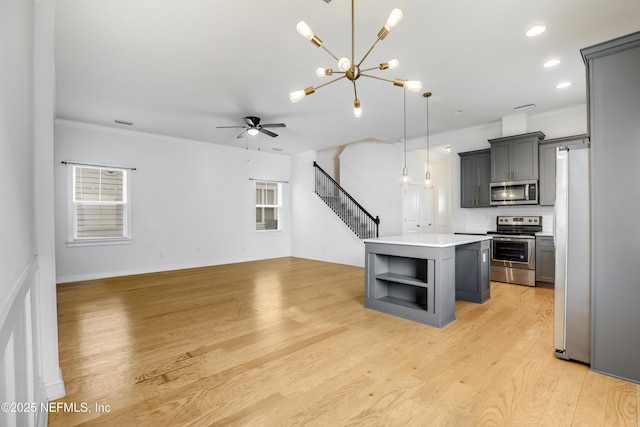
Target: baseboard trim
146, 270
55, 389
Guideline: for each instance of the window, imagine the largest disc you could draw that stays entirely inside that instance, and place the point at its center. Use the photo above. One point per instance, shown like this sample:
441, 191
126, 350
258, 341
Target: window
268, 205
100, 205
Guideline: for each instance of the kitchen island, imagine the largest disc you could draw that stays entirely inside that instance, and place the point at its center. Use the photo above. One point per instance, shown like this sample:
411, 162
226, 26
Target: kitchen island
420, 276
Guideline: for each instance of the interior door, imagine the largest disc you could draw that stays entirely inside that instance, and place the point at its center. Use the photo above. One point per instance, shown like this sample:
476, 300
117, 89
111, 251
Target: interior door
426, 210
410, 210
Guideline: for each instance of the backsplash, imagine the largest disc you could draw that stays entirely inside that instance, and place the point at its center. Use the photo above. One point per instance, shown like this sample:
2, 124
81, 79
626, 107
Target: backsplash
484, 219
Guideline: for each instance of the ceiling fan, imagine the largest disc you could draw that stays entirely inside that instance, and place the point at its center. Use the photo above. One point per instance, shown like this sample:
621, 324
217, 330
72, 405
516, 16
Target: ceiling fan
253, 126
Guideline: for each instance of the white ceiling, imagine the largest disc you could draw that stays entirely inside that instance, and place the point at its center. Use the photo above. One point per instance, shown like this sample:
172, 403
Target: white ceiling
183, 67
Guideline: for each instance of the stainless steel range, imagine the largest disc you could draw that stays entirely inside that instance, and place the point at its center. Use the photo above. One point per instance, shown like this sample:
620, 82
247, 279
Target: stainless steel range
513, 249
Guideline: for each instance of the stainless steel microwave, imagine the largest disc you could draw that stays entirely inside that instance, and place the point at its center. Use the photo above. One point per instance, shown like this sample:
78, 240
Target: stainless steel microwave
514, 193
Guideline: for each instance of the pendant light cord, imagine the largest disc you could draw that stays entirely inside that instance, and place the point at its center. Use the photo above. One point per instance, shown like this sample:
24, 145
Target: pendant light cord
427, 95
428, 167
404, 113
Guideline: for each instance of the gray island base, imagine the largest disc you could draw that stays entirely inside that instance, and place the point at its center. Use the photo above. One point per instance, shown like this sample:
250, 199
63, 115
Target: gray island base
419, 276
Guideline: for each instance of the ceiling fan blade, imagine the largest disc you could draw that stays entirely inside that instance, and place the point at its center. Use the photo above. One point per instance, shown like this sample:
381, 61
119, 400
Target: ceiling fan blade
268, 132
274, 125
242, 134
231, 127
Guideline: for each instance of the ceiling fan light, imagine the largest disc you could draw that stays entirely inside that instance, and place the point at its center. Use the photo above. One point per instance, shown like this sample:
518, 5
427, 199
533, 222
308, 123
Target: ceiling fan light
344, 64
252, 131
357, 110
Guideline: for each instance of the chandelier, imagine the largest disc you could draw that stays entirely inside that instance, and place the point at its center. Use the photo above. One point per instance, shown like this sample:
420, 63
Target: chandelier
348, 68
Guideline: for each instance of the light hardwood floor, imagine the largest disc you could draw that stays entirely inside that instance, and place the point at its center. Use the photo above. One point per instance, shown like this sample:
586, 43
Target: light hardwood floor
288, 342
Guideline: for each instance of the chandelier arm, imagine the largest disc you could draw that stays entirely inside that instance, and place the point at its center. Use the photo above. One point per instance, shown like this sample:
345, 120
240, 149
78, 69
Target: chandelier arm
376, 77
329, 52
369, 69
328, 83
355, 91
368, 52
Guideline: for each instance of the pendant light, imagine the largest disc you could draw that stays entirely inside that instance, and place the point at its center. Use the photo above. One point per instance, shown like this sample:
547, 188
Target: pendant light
405, 179
428, 183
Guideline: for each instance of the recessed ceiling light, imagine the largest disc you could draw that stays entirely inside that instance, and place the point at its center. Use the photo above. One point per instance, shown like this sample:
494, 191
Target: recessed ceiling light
536, 30
551, 63
563, 85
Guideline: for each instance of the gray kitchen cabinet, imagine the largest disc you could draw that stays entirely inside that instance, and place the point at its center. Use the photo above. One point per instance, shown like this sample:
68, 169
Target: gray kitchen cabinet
515, 158
475, 175
545, 259
472, 281
547, 166
613, 94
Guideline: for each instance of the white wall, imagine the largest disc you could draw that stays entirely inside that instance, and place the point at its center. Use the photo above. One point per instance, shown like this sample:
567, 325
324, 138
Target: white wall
192, 202
28, 325
317, 231
370, 171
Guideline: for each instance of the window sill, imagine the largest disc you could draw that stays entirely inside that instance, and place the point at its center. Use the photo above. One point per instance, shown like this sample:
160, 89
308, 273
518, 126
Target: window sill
267, 232
98, 242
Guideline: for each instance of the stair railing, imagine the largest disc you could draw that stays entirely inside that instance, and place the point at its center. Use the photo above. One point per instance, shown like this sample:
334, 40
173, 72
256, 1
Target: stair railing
357, 218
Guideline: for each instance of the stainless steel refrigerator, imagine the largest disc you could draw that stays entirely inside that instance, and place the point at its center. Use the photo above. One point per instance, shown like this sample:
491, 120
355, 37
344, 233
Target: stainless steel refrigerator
572, 305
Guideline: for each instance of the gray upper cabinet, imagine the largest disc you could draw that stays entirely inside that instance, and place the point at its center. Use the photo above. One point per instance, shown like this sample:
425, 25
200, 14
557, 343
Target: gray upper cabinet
475, 174
547, 166
515, 158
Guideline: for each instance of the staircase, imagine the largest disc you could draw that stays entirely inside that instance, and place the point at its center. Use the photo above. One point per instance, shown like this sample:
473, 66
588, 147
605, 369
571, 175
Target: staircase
361, 222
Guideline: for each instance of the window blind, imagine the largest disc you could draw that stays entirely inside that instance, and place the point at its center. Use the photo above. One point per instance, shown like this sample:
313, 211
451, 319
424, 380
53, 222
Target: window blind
100, 202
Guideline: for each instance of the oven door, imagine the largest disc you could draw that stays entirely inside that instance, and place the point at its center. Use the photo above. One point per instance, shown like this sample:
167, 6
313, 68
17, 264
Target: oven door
514, 252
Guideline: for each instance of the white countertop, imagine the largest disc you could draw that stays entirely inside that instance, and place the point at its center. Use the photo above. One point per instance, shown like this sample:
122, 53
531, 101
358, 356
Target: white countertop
470, 231
430, 240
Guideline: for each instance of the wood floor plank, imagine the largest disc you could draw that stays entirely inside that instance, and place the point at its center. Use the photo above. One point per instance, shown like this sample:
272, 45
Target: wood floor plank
592, 403
622, 404
288, 341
